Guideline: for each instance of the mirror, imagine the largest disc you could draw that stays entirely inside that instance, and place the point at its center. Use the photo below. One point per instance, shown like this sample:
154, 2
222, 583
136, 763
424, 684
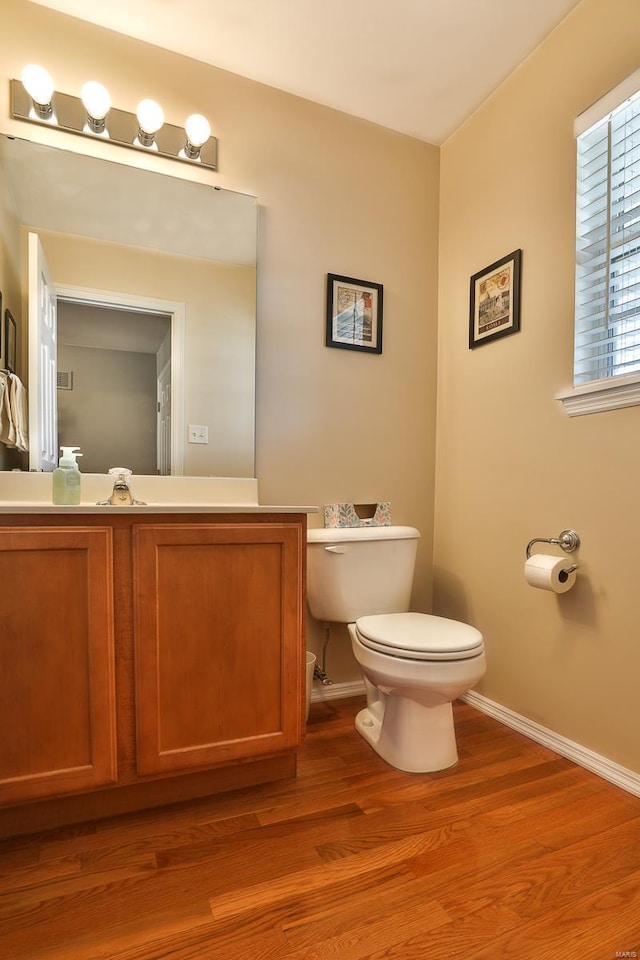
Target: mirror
171, 264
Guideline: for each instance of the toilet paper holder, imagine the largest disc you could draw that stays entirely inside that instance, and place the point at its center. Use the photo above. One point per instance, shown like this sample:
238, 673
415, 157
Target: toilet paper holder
568, 540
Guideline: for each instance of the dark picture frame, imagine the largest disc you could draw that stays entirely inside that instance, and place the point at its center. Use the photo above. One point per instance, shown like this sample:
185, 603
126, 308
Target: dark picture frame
494, 303
10, 339
354, 314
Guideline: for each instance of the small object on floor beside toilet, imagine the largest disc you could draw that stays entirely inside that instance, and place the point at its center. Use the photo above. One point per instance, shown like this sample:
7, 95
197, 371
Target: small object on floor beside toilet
311, 666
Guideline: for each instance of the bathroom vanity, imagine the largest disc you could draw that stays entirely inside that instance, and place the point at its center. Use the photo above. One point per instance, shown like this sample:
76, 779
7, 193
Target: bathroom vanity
148, 654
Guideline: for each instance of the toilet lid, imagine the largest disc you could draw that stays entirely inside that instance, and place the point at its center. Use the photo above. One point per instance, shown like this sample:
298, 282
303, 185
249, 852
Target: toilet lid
419, 636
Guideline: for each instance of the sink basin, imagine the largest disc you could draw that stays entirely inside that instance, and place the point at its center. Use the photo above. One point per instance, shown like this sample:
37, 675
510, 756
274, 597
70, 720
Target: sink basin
33, 489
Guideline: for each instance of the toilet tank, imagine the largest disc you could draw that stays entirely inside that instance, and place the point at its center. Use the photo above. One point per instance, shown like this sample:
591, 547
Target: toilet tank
359, 571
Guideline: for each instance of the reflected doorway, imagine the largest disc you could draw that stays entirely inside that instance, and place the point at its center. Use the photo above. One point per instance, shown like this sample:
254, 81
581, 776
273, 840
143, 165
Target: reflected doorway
113, 386
44, 299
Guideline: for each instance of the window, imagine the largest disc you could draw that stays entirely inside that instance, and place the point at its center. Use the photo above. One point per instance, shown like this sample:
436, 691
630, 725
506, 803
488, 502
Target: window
607, 300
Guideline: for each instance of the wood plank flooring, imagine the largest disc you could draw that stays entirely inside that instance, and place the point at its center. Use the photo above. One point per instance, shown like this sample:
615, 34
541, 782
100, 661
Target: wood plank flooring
513, 853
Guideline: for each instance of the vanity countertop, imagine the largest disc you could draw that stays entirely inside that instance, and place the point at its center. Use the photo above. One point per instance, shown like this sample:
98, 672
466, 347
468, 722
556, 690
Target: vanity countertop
93, 508
22, 492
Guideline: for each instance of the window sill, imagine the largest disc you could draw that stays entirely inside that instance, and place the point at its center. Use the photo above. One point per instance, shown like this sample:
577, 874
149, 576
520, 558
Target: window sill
600, 395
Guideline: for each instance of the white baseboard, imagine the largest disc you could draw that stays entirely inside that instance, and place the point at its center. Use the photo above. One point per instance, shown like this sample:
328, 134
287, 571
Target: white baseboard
337, 691
607, 769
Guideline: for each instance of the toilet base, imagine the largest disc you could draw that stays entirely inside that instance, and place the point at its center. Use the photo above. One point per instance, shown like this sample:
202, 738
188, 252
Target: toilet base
410, 736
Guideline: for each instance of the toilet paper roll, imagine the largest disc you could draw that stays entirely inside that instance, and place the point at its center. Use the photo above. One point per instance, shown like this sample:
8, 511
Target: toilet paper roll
549, 573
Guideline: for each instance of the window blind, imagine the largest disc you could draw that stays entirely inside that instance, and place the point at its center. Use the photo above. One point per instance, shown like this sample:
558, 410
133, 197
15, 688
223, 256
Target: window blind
607, 321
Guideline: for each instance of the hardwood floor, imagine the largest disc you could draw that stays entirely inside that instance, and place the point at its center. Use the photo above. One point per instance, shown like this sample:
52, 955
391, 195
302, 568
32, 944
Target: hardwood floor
513, 853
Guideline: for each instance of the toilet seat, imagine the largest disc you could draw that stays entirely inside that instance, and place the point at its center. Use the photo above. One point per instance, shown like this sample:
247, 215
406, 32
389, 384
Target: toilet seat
419, 636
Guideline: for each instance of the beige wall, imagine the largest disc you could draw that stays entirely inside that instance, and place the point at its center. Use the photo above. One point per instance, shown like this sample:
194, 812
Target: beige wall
117, 389
336, 195
510, 464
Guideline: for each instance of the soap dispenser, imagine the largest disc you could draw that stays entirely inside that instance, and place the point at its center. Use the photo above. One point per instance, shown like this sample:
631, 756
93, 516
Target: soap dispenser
66, 477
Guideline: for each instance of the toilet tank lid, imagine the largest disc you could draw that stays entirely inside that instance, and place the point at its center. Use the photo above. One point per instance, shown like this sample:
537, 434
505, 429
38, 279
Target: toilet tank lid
347, 534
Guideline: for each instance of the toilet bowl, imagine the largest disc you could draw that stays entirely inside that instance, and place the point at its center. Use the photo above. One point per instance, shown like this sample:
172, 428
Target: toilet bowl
413, 664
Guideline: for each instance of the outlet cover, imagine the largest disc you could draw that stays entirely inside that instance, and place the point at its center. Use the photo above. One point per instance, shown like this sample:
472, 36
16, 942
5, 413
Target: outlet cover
198, 434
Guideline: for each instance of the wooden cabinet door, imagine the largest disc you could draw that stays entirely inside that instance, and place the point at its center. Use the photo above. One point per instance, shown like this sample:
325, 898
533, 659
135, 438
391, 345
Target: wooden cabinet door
57, 703
219, 642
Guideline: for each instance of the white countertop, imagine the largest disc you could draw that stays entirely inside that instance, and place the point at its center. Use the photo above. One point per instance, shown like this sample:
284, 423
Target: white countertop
20, 507
22, 492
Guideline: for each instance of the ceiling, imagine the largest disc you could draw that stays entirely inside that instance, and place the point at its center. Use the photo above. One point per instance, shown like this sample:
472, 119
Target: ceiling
420, 67
105, 328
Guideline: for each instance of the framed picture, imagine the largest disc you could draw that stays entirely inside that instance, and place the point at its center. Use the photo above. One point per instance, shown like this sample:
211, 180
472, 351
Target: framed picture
9, 342
495, 300
354, 314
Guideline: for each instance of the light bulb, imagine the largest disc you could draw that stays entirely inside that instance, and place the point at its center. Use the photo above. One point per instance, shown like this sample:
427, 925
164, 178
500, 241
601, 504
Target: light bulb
150, 116
198, 129
38, 84
97, 103
96, 99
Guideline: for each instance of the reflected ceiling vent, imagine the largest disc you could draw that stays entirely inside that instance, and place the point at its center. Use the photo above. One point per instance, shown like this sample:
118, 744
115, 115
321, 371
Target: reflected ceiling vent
65, 380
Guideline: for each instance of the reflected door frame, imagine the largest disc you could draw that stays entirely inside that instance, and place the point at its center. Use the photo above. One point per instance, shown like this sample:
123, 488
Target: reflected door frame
177, 313
163, 443
43, 331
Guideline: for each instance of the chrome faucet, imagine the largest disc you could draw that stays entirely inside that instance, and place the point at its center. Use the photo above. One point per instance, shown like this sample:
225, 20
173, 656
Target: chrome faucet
121, 495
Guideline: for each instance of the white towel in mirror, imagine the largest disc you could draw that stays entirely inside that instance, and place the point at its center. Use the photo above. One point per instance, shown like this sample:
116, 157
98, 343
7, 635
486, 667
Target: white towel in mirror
14, 415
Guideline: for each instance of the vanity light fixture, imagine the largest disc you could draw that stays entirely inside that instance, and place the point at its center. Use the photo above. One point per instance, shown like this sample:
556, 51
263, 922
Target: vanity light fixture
35, 100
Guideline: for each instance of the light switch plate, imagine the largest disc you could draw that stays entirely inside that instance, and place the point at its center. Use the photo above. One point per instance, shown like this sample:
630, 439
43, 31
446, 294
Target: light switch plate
198, 433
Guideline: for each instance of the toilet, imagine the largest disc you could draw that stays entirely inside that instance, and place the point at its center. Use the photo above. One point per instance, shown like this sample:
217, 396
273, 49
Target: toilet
414, 665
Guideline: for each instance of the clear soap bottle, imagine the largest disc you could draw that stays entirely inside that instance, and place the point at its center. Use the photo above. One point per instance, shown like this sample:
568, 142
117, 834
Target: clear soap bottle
66, 477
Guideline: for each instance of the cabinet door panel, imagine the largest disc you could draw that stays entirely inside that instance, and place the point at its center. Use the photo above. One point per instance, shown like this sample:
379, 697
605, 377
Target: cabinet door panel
218, 642
57, 703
